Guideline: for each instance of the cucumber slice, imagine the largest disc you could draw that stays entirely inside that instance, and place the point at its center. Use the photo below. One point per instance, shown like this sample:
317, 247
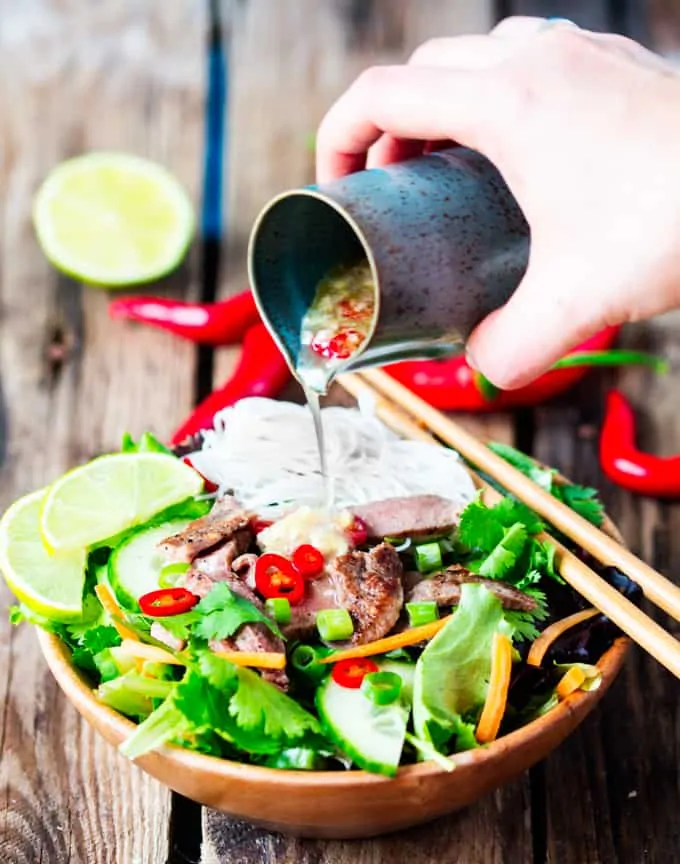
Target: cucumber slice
407, 673
371, 735
135, 565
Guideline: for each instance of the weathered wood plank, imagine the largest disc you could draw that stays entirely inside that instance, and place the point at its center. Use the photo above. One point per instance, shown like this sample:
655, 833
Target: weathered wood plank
83, 76
493, 831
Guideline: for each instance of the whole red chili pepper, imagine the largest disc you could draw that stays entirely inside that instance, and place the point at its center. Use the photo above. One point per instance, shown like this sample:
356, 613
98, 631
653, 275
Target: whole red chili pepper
452, 385
219, 323
622, 462
261, 371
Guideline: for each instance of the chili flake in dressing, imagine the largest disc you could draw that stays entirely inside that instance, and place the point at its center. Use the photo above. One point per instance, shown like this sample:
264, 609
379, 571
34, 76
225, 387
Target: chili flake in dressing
338, 319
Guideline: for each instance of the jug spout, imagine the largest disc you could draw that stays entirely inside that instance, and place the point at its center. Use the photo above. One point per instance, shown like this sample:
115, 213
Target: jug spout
443, 238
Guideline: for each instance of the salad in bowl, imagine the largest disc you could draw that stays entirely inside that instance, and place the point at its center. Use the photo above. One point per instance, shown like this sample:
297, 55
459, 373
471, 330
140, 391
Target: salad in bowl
228, 599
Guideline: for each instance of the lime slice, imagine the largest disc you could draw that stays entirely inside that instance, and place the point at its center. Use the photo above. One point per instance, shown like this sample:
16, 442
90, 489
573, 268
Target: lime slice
113, 219
49, 583
111, 494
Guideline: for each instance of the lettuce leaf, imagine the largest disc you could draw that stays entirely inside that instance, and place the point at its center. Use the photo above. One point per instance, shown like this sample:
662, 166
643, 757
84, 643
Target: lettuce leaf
452, 673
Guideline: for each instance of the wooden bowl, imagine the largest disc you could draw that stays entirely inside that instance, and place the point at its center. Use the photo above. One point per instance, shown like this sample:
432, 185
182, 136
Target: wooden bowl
340, 804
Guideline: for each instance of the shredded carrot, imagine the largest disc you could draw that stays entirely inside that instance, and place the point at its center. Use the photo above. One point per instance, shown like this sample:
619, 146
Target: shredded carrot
541, 645
412, 636
570, 681
261, 659
142, 651
497, 695
108, 601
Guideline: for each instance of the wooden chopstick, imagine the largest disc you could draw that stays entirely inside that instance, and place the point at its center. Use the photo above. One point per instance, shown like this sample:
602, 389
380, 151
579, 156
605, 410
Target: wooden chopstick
605, 549
631, 620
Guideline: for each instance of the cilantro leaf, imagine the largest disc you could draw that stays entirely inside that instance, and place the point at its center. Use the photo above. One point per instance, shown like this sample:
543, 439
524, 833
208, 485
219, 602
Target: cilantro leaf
522, 624
256, 705
259, 706
483, 527
99, 638
217, 699
222, 612
584, 500
478, 527
509, 511
502, 560
542, 558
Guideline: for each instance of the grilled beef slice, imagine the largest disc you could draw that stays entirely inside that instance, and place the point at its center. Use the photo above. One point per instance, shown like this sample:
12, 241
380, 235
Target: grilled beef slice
444, 589
320, 594
411, 516
226, 520
253, 638
212, 545
368, 585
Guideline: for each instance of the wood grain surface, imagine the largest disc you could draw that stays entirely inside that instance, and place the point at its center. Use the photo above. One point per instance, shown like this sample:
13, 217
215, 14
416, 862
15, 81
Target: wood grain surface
79, 76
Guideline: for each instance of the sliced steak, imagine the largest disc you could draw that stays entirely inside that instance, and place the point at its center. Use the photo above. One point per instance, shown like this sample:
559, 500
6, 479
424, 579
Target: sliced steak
368, 585
226, 518
256, 639
244, 567
444, 589
412, 516
218, 563
320, 594
253, 638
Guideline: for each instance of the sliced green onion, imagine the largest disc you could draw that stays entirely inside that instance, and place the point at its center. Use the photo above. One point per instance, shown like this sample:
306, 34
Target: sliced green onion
382, 688
170, 574
278, 608
428, 557
446, 546
422, 613
306, 659
334, 624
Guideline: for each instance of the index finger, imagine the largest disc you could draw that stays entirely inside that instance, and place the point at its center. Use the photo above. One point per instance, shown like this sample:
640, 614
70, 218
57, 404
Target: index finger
408, 102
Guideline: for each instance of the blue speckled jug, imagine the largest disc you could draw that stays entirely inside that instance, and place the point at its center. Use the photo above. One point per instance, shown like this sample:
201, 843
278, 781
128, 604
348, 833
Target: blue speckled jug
446, 241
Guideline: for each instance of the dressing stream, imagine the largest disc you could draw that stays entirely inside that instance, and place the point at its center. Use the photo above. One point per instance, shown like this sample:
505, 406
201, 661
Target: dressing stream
334, 327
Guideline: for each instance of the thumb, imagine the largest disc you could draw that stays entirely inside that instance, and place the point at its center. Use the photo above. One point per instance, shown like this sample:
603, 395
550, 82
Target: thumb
544, 319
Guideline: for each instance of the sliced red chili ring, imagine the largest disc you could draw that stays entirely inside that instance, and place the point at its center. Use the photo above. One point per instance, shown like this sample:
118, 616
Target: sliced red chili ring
357, 532
167, 602
350, 673
275, 576
308, 561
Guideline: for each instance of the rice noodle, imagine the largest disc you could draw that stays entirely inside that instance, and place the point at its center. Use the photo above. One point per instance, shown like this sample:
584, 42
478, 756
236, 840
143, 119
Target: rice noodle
265, 452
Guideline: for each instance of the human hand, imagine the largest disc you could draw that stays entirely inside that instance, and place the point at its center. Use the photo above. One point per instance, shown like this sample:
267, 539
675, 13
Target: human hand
584, 128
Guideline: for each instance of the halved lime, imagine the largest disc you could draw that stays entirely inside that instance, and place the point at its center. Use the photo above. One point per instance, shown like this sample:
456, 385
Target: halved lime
49, 583
111, 494
113, 219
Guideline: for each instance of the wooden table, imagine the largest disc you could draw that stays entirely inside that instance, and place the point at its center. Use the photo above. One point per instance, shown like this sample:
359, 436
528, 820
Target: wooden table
82, 75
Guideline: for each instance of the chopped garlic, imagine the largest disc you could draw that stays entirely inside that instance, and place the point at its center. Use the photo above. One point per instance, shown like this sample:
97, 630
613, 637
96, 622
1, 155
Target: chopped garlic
325, 531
